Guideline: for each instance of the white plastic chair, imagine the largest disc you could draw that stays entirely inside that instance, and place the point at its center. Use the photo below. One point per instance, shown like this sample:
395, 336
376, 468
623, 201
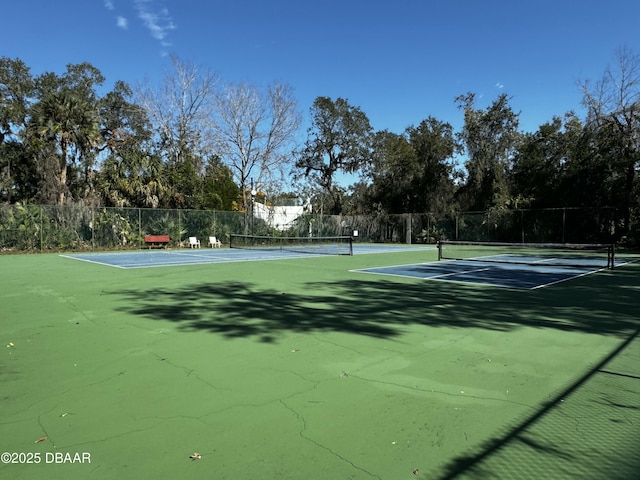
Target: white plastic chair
214, 242
194, 242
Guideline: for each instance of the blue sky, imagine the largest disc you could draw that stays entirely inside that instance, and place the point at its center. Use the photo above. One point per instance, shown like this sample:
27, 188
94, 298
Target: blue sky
400, 61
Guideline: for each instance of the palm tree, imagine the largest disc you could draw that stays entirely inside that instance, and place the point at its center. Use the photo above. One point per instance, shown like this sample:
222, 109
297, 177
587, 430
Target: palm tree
133, 178
69, 124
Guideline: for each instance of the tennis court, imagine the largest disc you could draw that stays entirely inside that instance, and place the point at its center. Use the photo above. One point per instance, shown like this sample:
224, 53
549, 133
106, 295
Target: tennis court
509, 265
235, 365
188, 256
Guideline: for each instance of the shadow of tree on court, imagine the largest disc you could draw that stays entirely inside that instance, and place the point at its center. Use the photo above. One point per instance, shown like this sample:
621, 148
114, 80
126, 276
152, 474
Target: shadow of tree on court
379, 307
575, 431
607, 303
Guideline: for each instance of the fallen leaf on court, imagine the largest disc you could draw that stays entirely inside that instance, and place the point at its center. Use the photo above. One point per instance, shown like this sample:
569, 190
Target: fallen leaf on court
41, 439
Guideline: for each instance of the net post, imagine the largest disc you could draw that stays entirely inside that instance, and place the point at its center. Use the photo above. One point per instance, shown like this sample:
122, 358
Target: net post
439, 246
611, 256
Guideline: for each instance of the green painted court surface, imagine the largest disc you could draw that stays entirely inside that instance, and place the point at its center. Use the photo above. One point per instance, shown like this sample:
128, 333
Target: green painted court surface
300, 369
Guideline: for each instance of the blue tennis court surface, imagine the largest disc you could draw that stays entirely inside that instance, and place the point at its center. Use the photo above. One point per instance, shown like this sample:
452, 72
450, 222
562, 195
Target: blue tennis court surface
507, 275
199, 256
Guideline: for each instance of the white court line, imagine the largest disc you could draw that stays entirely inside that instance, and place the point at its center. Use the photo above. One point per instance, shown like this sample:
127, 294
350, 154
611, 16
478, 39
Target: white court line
463, 272
199, 259
583, 274
368, 270
492, 265
480, 284
92, 261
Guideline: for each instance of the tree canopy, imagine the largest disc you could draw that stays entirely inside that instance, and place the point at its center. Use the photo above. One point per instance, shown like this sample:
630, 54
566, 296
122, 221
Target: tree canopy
339, 140
195, 142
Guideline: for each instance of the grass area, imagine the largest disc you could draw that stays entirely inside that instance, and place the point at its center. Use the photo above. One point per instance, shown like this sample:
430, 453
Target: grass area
298, 368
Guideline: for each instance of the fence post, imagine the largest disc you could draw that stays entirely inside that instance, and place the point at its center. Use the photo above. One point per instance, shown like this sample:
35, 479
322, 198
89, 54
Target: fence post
457, 226
93, 224
139, 227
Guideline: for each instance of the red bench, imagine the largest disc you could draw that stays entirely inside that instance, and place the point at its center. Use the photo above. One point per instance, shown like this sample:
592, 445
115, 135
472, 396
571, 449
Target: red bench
156, 240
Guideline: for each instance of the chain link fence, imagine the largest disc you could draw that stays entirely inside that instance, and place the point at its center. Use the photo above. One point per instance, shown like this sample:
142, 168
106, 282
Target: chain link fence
27, 228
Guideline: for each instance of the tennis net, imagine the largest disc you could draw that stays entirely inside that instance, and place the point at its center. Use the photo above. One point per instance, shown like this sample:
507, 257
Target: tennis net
588, 255
313, 245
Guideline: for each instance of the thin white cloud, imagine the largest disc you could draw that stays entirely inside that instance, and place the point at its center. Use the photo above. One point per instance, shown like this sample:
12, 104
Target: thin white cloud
108, 4
122, 22
499, 86
157, 21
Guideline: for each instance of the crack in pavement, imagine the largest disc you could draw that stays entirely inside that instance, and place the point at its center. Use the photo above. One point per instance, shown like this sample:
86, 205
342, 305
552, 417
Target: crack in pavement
324, 447
439, 392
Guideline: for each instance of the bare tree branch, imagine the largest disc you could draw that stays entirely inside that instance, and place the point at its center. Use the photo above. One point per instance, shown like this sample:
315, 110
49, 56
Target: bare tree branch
180, 108
253, 131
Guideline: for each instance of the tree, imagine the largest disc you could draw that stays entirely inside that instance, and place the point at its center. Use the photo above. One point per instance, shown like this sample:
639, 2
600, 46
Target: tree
63, 127
133, 178
489, 138
180, 110
16, 90
18, 174
390, 173
339, 140
123, 123
412, 172
542, 168
131, 175
220, 192
254, 132
434, 145
613, 118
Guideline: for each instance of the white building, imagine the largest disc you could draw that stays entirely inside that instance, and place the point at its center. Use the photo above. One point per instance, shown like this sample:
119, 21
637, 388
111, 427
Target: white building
280, 217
